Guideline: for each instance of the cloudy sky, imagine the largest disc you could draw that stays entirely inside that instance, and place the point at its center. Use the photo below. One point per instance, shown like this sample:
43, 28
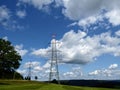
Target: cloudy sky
87, 32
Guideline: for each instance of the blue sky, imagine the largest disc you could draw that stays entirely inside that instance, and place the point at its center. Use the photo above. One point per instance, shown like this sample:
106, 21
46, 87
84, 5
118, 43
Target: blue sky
88, 33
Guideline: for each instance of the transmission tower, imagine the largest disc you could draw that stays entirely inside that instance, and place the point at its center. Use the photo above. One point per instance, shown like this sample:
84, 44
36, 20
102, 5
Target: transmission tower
29, 71
54, 73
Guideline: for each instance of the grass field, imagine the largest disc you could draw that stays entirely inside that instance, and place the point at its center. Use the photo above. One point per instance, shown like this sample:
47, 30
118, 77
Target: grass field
34, 85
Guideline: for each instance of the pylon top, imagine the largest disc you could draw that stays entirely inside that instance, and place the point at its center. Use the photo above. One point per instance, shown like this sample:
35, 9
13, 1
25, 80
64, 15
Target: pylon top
53, 36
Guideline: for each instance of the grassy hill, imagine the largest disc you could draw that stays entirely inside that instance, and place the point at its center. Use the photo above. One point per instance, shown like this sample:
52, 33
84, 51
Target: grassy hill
34, 85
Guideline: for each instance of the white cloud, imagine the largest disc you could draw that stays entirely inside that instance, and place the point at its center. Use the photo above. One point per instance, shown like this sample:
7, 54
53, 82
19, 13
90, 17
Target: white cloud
39, 4
5, 15
89, 12
58, 3
117, 33
23, 72
21, 13
111, 71
96, 72
114, 4
114, 17
5, 38
90, 20
46, 65
78, 9
113, 66
32, 68
68, 74
73, 24
83, 11
76, 47
75, 73
32, 64
41, 52
36, 69
20, 50
6, 19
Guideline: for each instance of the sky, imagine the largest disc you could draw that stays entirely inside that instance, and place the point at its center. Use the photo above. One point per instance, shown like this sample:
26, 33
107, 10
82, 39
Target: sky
87, 32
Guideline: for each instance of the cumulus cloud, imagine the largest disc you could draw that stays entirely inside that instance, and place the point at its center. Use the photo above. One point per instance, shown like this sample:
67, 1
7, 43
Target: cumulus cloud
43, 52
78, 9
6, 19
75, 73
46, 65
117, 33
96, 72
36, 69
113, 17
35, 66
23, 72
85, 12
111, 71
20, 50
32, 64
77, 47
68, 74
5, 15
90, 12
21, 13
113, 66
39, 4
86, 22
73, 24
58, 3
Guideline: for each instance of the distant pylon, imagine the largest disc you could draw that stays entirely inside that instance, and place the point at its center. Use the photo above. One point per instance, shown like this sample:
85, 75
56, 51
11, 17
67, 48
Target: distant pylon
29, 70
54, 73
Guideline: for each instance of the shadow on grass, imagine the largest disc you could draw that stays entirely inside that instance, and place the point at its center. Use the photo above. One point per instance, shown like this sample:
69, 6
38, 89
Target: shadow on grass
4, 84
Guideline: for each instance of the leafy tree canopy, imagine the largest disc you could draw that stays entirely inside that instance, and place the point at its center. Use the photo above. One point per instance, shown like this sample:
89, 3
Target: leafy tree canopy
9, 58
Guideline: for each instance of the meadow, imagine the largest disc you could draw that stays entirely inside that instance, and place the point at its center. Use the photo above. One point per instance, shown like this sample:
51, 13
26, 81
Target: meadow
35, 85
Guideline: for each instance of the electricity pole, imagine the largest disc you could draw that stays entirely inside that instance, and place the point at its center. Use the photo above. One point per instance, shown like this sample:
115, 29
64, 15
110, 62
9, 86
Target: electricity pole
29, 71
54, 73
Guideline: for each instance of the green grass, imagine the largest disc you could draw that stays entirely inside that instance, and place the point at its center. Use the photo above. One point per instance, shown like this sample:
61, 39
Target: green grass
34, 85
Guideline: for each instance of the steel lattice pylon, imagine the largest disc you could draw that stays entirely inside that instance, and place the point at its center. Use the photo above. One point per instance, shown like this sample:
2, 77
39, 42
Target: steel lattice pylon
54, 73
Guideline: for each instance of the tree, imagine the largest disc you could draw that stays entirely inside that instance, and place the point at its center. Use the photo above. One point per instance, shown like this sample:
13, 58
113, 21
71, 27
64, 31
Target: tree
9, 59
36, 77
54, 81
28, 78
